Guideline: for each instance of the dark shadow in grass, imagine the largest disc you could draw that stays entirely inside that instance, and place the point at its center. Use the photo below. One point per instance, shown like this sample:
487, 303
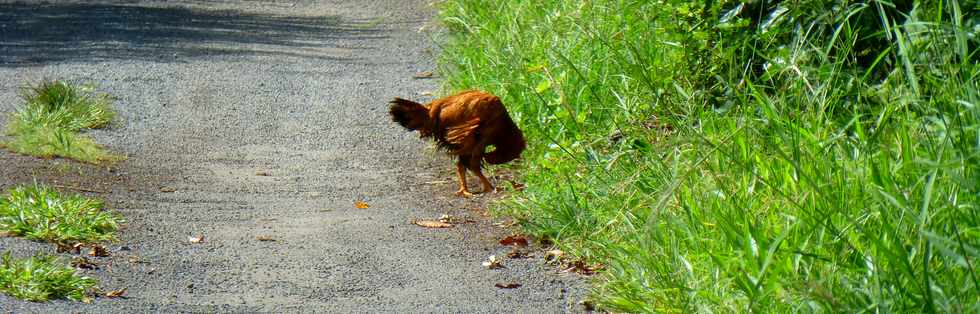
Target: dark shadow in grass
32, 33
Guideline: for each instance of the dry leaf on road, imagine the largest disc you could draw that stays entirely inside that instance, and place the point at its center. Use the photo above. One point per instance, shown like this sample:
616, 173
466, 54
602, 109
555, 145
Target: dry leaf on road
196, 239
265, 238
423, 74
115, 293
97, 251
83, 263
492, 262
432, 223
581, 268
517, 253
361, 205
553, 255
515, 240
511, 285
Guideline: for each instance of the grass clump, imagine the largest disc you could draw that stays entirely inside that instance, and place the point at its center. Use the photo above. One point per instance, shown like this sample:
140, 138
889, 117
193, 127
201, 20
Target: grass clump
721, 156
53, 114
42, 278
41, 213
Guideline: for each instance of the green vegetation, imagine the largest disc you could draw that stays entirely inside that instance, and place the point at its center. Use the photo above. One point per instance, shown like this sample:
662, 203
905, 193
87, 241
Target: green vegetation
53, 114
41, 278
41, 213
720, 156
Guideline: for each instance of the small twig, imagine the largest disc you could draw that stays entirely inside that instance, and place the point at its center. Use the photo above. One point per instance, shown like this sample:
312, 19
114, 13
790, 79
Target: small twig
77, 188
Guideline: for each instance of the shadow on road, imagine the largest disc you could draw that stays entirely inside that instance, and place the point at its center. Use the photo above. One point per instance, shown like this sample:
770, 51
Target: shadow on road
40, 33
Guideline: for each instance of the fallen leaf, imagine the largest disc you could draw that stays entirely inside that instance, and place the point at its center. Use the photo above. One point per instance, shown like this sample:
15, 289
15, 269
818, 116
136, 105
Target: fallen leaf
492, 263
136, 259
97, 251
506, 224
516, 253
115, 293
517, 186
262, 173
582, 268
424, 74
167, 189
265, 238
446, 218
73, 249
511, 285
83, 263
553, 255
432, 223
86, 300
197, 239
516, 240
361, 205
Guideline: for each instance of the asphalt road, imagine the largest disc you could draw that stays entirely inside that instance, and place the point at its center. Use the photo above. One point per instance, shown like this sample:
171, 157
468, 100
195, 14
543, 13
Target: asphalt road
249, 120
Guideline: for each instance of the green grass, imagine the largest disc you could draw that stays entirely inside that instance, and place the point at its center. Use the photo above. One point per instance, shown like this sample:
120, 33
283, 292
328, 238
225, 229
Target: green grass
41, 278
822, 156
53, 114
41, 213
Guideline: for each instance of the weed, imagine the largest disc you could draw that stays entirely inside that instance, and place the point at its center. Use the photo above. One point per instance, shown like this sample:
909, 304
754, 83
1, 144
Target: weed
41, 213
41, 278
53, 114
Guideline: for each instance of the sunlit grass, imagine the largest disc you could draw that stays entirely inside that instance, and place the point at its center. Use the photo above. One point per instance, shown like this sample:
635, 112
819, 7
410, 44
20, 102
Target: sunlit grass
53, 114
803, 158
41, 213
42, 278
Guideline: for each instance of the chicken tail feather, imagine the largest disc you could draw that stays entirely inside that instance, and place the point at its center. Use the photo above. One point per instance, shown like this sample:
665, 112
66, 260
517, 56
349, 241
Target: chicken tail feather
409, 114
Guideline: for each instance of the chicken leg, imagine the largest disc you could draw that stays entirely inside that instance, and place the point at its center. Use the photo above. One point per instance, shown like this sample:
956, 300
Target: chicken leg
461, 172
476, 163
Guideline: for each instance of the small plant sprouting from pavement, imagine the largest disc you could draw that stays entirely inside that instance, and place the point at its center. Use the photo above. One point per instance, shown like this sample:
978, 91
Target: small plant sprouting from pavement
41, 213
53, 113
41, 278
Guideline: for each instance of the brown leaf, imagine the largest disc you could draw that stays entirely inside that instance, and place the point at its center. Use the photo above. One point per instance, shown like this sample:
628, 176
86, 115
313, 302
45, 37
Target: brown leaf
510, 285
262, 173
136, 259
423, 74
432, 223
553, 255
73, 249
517, 186
115, 293
492, 263
446, 218
516, 240
265, 238
167, 189
516, 253
361, 205
83, 263
588, 305
582, 268
97, 251
196, 239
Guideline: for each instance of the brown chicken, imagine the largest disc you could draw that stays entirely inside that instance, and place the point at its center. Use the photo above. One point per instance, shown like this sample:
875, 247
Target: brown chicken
464, 125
